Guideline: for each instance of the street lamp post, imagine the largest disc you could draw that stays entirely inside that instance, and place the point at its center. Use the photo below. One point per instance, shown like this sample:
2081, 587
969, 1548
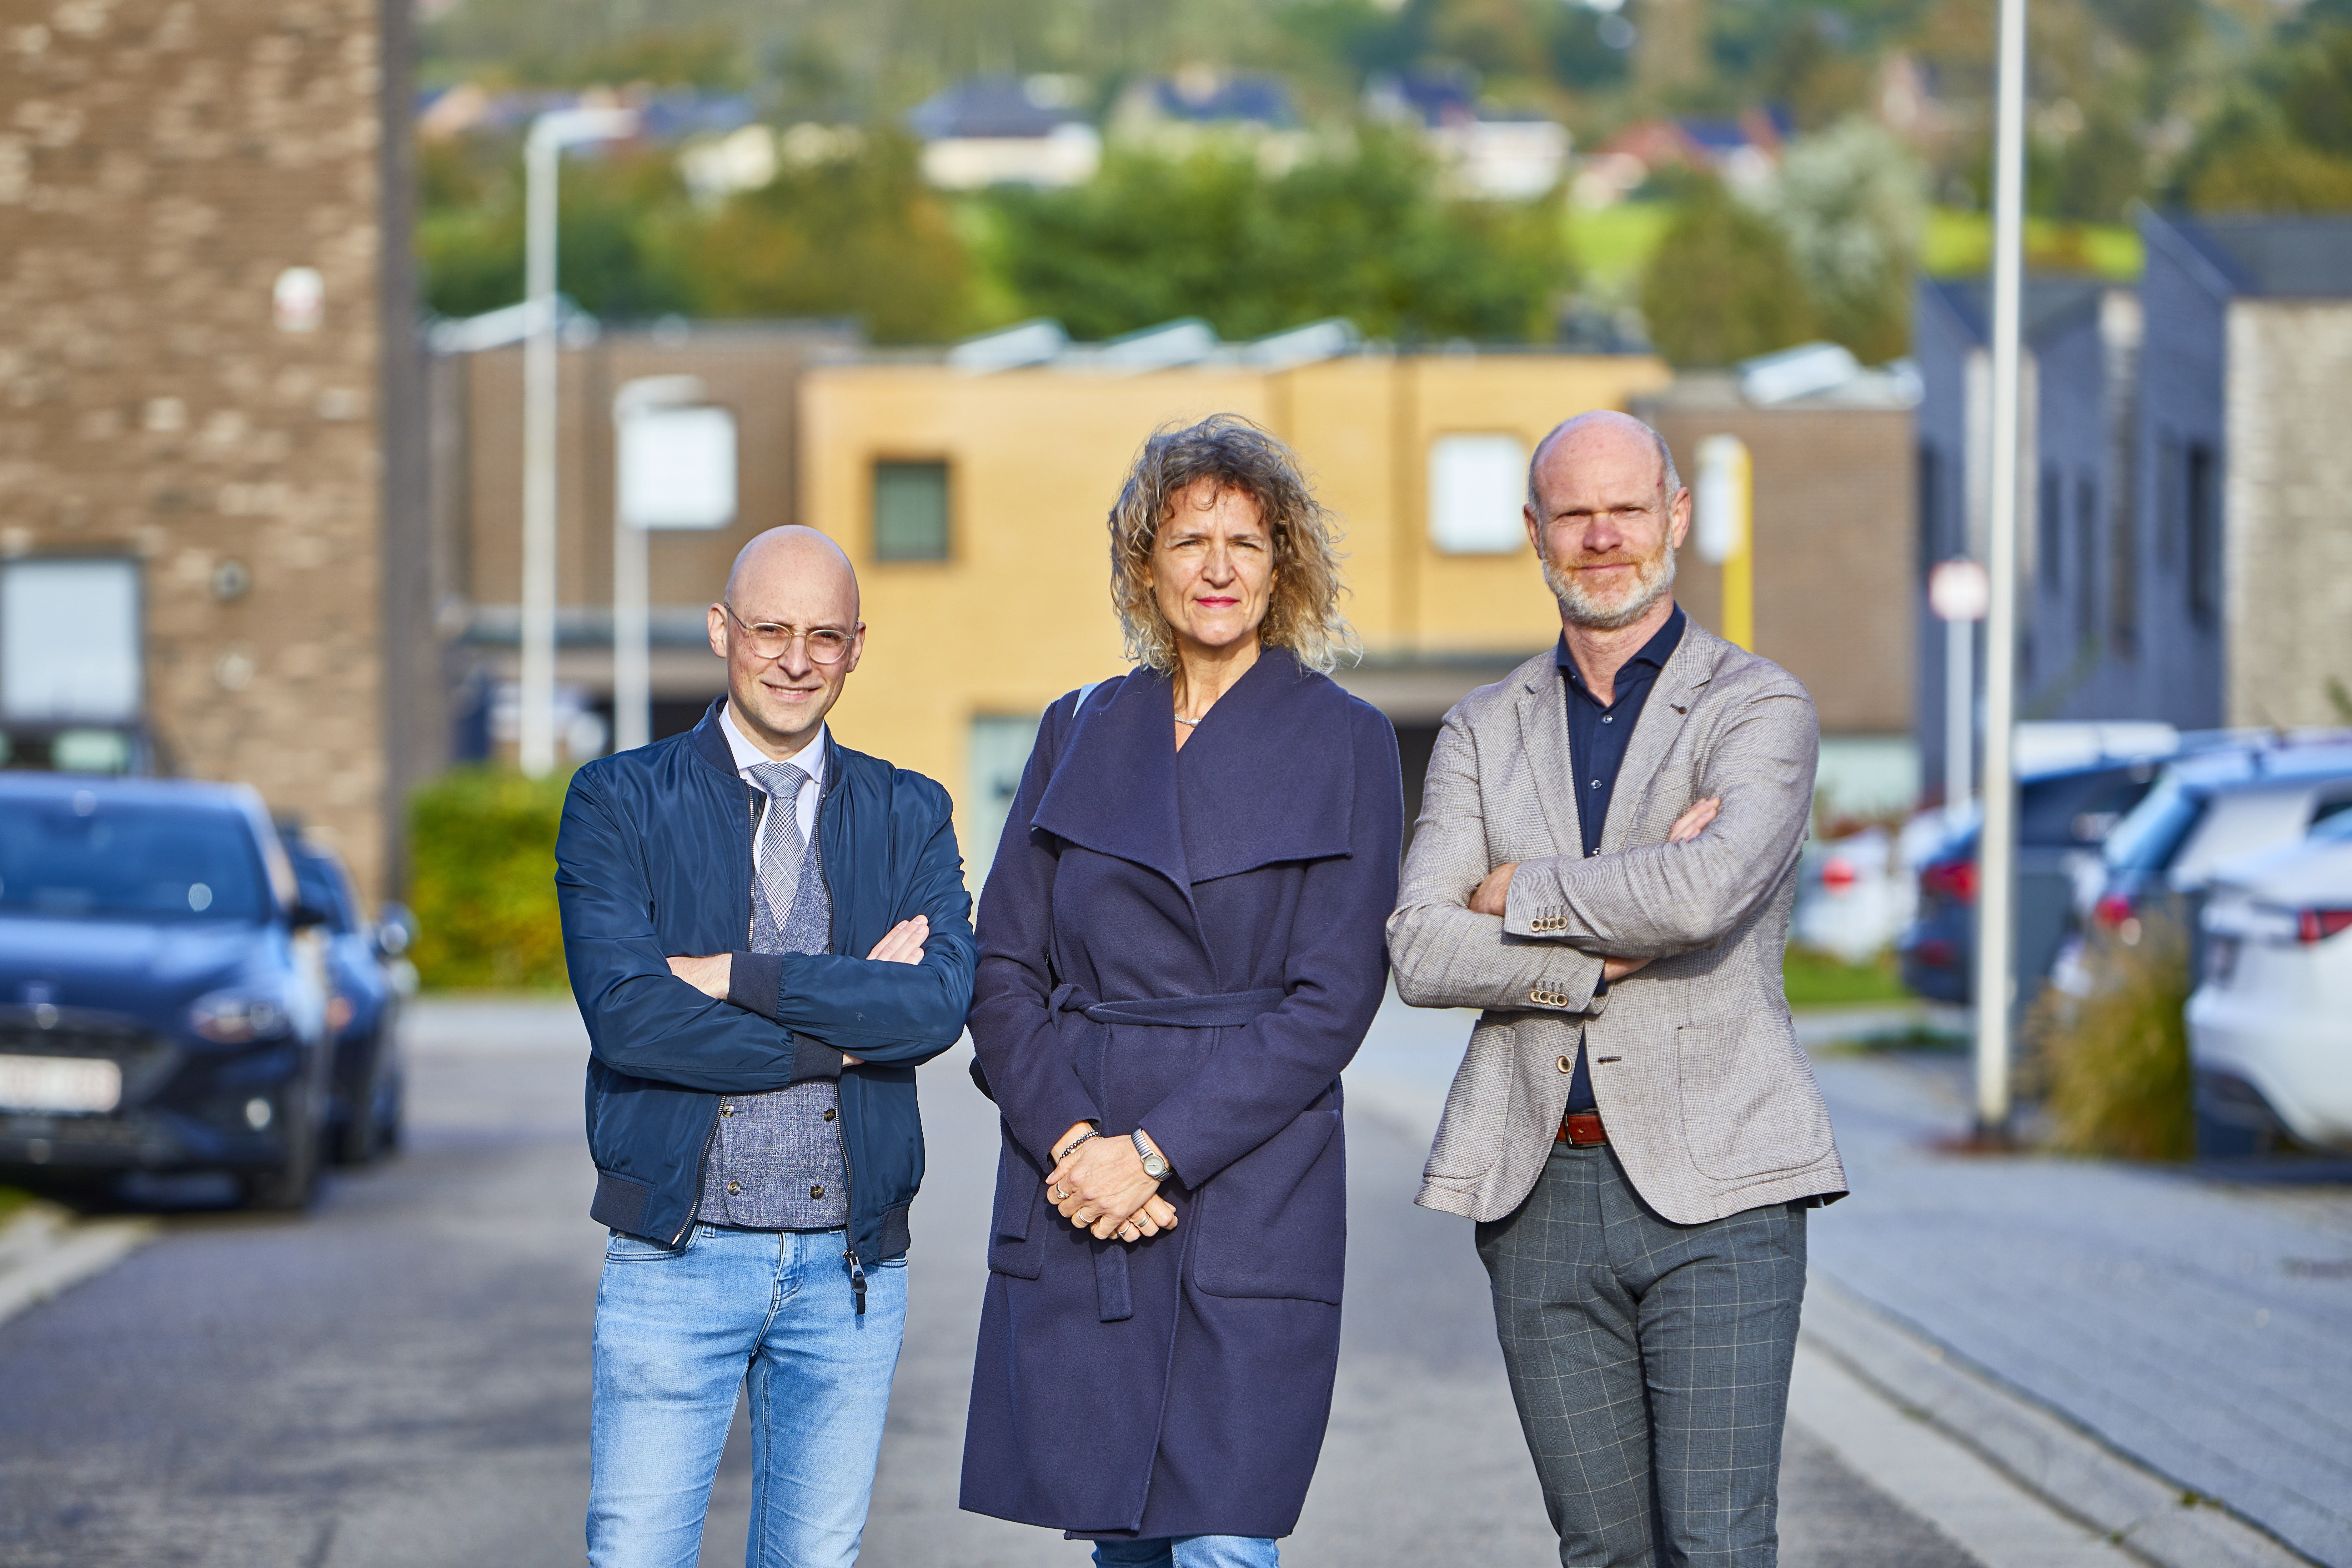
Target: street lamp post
550, 133
1997, 841
675, 468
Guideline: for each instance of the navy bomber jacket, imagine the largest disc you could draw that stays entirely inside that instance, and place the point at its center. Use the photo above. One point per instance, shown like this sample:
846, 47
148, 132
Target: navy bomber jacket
655, 858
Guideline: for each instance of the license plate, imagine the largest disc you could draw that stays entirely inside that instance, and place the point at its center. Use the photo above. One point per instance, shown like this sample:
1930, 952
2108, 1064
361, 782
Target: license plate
65, 1084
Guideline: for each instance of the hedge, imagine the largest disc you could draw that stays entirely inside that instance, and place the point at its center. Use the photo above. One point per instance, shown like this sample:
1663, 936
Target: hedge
482, 880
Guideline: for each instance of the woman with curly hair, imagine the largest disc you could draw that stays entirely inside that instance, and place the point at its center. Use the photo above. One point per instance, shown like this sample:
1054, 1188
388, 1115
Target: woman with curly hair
1181, 948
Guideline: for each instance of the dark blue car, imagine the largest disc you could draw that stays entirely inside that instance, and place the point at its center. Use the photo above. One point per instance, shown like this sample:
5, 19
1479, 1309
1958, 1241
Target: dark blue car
164, 992
364, 993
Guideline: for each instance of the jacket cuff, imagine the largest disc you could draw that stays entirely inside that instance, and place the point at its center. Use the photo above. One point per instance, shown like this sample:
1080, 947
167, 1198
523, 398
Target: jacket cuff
1534, 907
1571, 984
755, 982
812, 1058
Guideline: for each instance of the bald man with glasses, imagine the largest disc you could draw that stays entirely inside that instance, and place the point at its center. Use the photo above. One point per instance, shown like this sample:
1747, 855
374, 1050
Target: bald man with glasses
767, 933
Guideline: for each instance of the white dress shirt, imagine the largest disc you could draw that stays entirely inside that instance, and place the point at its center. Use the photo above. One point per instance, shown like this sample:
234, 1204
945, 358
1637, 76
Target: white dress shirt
809, 759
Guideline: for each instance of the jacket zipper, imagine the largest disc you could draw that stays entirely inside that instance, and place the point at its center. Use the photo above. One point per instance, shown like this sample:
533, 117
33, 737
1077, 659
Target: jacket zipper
841, 1120
710, 1136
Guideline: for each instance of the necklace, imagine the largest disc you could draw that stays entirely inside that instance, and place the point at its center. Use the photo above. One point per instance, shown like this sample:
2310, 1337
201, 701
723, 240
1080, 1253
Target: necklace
1182, 719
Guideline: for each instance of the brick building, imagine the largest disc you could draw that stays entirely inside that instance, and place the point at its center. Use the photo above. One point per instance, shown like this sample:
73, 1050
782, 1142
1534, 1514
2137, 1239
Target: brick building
1835, 557
211, 469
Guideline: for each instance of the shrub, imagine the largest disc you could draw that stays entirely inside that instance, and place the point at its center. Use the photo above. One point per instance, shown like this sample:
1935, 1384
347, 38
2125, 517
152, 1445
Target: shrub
2116, 1065
482, 880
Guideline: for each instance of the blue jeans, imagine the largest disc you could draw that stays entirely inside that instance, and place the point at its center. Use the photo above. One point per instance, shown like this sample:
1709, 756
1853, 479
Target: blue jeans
1188, 1552
676, 1331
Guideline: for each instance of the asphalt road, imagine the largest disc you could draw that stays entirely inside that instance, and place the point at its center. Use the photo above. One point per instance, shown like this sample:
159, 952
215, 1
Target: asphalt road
400, 1377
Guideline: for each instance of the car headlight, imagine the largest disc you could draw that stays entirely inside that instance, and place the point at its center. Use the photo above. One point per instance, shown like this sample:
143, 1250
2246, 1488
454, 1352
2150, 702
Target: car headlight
235, 1017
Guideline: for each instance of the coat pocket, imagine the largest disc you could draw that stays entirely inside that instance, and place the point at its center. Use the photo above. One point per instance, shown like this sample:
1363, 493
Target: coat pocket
1016, 1242
1749, 1105
1274, 1222
1478, 1107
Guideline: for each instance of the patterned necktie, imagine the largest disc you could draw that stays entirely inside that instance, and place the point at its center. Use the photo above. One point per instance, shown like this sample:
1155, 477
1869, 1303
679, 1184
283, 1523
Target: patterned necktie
782, 851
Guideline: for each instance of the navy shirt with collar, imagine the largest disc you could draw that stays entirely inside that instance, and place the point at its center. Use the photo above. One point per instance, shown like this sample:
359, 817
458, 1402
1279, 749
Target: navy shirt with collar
1597, 737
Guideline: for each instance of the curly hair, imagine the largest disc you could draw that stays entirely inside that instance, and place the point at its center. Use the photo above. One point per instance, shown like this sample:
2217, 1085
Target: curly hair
1232, 453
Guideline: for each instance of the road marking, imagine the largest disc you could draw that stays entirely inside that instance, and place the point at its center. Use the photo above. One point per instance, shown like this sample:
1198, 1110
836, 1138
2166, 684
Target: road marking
44, 1250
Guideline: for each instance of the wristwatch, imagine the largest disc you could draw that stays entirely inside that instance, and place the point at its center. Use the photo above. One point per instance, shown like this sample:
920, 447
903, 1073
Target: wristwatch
1153, 1166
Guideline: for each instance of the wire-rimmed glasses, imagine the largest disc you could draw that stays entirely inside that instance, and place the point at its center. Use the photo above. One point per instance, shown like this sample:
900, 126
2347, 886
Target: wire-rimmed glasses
767, 640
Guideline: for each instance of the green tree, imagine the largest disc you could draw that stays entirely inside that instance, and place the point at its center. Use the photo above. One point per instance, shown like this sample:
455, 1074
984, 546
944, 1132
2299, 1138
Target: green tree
1362, 233
1851, 203
857, 235
1722, 285
610, 227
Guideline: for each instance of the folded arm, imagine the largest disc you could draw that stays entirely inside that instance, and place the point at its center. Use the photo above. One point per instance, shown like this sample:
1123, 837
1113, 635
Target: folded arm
1658, 900
642, 1020
1448, 954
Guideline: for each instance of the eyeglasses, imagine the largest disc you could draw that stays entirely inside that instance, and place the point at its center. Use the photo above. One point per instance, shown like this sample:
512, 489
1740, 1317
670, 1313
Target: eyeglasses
826, 645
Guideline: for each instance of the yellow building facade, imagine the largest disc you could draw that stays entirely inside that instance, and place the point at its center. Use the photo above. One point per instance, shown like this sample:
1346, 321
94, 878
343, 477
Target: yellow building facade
974, 506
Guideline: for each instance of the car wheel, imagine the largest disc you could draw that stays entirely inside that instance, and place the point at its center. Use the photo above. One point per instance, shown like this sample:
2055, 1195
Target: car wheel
290, 1187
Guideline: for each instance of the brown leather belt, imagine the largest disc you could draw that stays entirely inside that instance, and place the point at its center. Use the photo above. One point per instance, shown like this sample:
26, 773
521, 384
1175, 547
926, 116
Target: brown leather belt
1581, 1129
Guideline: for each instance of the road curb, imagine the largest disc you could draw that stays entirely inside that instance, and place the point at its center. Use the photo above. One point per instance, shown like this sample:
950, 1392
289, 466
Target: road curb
2150, 1515
44, 1249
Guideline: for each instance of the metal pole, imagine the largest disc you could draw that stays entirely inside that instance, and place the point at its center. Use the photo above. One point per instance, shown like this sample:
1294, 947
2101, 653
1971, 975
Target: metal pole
543, 157
1959, 714
1996, 844
633, 675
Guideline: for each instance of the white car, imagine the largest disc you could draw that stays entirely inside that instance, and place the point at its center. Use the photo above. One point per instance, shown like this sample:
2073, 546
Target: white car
2270, 1029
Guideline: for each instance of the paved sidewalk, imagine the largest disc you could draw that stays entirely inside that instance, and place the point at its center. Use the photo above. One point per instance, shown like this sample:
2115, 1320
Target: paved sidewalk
2198, 1325
2197, 1328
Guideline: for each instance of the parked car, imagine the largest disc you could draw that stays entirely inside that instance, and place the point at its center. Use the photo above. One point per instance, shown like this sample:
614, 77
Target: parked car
2204, 812
2270, 1029
162, 987
364, 993
2062, 819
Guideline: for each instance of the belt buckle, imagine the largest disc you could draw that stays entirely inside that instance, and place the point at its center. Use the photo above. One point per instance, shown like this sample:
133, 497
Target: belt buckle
1568, 1132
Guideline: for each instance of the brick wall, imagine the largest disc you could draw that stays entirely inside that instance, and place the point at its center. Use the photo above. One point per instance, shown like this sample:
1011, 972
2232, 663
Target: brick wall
2287, 569
163, 165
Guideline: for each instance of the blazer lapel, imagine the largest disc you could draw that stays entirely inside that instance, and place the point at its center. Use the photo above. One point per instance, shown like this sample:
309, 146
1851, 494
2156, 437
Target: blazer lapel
1543, 740
1689, 668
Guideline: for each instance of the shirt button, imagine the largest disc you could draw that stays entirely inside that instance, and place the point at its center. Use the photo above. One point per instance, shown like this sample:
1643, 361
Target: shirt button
1609, 718
1596, 784
816, 1192
828, 1114
734, 1186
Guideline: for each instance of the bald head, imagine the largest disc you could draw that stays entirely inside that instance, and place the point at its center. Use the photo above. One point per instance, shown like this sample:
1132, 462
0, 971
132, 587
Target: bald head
788, 559
789, 631
1598, 433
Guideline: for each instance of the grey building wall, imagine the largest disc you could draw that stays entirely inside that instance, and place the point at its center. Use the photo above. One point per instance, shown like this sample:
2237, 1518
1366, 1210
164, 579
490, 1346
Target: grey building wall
2178, 462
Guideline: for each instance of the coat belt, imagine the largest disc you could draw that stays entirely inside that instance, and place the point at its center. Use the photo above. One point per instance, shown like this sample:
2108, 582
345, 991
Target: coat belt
1229, 1009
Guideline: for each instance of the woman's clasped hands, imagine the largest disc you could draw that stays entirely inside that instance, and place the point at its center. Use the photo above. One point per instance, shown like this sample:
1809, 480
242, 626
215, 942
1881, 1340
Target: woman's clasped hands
1100, 1186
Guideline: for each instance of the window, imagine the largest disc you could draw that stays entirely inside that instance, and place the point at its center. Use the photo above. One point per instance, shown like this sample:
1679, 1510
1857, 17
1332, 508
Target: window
2202, 493
999, 752
1477, 485
910, 511
2086, 570
2050, 530
69, 641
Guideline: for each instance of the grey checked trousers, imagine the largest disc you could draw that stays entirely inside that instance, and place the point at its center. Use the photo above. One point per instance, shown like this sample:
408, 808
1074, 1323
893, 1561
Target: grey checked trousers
1650, 1365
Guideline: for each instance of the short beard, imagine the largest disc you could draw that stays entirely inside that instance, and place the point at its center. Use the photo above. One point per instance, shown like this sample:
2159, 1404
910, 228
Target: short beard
1658, 580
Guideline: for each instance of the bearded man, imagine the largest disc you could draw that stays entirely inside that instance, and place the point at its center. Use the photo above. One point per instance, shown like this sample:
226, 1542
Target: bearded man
1603, 866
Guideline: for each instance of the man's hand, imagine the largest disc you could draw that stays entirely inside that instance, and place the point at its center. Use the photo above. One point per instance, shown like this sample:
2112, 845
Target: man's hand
1694, 820
903, 942
708, 975
1487, 897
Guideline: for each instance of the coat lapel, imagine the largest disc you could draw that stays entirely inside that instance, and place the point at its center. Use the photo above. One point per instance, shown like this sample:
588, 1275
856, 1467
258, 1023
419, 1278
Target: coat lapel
1246, 801
1114, 785
1689, 668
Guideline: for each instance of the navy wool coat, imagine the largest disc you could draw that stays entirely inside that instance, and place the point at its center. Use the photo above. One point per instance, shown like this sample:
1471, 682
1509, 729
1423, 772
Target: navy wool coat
1188, 942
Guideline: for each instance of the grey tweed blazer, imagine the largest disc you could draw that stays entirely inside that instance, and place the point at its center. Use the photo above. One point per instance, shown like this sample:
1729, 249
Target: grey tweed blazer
1709, 1103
